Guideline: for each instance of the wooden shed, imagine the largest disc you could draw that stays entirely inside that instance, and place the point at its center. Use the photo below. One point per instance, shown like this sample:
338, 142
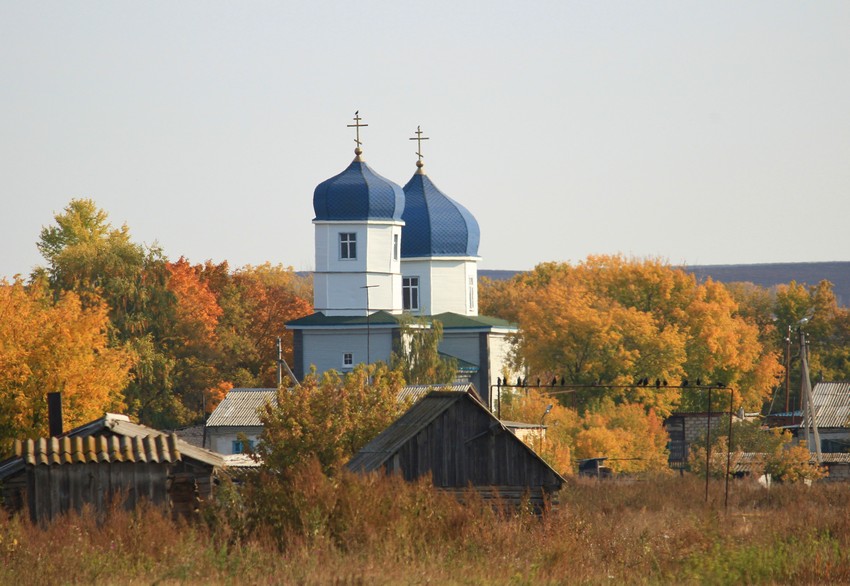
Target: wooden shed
455, 439
106, 459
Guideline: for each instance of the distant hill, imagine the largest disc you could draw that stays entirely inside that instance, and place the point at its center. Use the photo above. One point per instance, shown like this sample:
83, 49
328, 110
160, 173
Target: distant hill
764, 275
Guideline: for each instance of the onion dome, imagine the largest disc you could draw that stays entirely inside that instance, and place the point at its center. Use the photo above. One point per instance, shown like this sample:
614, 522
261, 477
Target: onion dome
435, 224
358, 193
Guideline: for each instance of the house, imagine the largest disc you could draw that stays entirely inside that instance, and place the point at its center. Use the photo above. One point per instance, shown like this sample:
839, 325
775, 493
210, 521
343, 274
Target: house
454, 438
832, 414
686, 428
237, 415
385, 254
106, 458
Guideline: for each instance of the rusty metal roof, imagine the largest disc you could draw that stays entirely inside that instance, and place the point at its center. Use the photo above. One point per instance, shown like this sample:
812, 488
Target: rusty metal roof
82, 450
240, 408
113, 423
832, 404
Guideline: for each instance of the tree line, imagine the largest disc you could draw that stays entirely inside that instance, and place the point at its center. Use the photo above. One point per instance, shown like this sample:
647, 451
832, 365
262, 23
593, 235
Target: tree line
116, 325
612, 323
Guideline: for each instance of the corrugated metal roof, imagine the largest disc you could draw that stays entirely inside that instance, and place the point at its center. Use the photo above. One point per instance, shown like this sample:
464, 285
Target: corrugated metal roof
832, 404
121, 425
415, 392
241, 461
56, 451
240, 408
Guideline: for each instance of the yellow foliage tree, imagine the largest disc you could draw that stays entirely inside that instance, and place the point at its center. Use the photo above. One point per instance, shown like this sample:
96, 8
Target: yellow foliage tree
562, 425
61, 346
633, 439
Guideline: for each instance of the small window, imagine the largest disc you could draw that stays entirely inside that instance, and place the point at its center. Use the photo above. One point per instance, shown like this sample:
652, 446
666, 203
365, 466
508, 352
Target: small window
348, 245
239, 447
410, 293
347, 359
471, 293
395, 246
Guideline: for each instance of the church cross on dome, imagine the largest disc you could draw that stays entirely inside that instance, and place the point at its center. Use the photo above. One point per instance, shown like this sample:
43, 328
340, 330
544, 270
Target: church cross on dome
419, 138
357, 126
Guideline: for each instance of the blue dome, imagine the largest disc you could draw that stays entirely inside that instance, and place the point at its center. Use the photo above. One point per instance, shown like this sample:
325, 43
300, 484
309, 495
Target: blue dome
435, 224
358, 193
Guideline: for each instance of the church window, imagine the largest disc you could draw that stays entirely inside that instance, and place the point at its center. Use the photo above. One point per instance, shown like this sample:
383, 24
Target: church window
395, 246
347, 359
348, 245
410, 293
471, 293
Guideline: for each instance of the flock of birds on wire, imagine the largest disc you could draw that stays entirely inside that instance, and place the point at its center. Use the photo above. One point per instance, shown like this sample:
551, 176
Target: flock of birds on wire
644, 382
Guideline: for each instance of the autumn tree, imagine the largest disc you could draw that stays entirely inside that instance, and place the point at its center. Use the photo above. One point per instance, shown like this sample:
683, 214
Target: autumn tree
417, 357
557, 445
633, 439
328, 419
614, 321
48, 345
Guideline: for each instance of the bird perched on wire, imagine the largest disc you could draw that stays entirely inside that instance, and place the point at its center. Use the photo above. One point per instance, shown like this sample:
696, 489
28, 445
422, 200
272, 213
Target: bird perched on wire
554, 381
563, 381
657, 383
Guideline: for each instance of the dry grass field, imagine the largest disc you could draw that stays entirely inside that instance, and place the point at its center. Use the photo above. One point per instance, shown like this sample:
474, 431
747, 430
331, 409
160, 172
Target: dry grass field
354, 530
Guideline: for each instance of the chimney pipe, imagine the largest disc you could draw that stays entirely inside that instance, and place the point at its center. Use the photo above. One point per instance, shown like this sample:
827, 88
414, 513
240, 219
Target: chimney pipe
54, 413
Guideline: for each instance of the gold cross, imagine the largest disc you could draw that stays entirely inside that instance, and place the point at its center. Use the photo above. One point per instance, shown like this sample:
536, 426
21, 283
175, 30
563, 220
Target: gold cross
419, 138
357, 126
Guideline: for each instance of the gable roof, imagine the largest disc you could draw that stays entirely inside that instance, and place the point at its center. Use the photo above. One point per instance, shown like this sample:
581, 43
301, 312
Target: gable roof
83, 450
377, 452
832, 404
121, 425
240, 408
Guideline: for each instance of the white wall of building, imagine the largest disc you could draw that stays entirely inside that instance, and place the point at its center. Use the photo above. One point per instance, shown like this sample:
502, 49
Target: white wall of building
325, 348
338, 282
445, 284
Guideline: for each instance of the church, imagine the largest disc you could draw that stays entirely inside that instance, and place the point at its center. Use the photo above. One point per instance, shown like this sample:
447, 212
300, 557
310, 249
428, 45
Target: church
383, 251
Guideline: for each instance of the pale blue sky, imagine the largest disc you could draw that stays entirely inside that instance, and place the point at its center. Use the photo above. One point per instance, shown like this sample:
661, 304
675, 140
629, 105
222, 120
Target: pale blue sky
701, 132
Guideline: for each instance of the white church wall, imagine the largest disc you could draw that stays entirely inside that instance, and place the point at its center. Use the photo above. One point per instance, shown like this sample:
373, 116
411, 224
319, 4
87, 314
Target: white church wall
422, 270
326, 348
500, 348
338, 283
444, 284
463, 345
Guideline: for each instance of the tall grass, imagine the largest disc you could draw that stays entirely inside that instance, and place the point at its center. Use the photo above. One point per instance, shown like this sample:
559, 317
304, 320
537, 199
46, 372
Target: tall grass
351, 529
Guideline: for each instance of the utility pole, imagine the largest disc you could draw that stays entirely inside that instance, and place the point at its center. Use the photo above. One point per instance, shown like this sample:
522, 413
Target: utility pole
788, 371
809, 415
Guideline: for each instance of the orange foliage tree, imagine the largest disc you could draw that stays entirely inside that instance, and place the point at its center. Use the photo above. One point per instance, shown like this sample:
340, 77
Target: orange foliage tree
50, 346
611, 320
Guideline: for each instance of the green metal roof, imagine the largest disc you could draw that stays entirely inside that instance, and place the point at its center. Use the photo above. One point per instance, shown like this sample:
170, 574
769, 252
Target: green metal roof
455, 320
378, 318
449, 320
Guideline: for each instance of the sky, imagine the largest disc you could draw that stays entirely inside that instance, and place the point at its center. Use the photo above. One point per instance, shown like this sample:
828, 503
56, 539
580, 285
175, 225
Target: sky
698, 132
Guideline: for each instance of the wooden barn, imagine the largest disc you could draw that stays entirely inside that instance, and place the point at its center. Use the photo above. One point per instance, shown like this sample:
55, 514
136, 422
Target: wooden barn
106, 459
455, 439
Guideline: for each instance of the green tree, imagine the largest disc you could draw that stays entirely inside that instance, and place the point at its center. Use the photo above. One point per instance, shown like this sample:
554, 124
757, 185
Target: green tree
418, 358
